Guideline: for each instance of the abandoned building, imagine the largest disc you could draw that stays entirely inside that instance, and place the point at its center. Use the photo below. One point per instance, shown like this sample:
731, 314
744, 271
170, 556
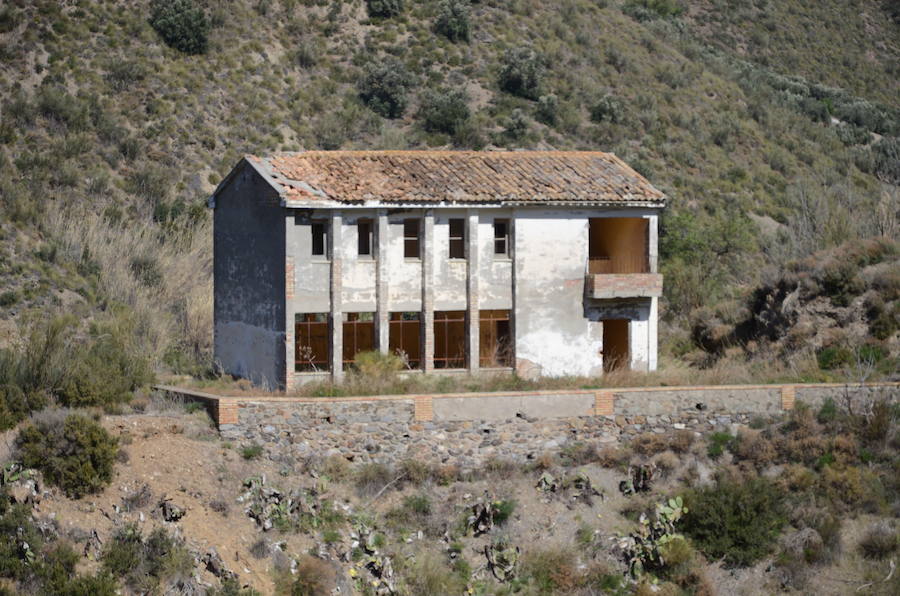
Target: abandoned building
544, 263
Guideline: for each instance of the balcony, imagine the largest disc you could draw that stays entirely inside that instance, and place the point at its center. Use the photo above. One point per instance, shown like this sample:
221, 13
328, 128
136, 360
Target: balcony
626, 276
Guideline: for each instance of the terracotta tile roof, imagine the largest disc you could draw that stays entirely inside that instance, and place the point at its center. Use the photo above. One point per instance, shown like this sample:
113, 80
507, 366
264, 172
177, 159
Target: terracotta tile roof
456, 177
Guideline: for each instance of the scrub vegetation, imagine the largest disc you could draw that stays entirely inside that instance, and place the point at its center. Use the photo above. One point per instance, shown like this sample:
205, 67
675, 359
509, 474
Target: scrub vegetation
804, 502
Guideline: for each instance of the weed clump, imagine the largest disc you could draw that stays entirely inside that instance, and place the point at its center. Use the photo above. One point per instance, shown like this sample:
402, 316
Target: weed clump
73, 451
879, 542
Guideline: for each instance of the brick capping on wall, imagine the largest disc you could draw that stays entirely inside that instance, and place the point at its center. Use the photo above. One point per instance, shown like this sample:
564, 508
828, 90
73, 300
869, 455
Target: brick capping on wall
606, 402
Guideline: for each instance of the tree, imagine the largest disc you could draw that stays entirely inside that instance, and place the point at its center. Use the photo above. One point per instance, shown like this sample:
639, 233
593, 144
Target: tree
383, 87
521, 72
453, 20
444, 110
181, 23
384, 8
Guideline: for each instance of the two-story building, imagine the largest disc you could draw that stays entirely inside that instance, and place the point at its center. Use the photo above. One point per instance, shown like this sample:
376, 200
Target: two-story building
544, 263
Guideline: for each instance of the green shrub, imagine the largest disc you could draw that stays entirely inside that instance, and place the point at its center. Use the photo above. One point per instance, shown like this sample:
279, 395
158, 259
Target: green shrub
608, 109
8, 298
383, 87
182, 24
503, 510
145, 562
453, 19
833, 357
521, 72
718, 441
828, 411
516, 126
646, 10
108, 371
13, 406
547, 110
16, 531
251, 451
73, 451
384, 8
738, 521
444, 110
45, 569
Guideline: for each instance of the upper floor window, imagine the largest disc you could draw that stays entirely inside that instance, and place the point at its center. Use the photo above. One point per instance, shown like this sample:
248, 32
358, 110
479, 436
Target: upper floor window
364, 237
457, 239
319, 238
411, 235
501, 237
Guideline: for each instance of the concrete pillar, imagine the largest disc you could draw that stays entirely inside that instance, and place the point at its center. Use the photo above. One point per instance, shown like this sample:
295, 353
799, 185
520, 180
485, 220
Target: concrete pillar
652, 334
472, 313
337, 311
427, 315
382, 323
289, 306
653, 243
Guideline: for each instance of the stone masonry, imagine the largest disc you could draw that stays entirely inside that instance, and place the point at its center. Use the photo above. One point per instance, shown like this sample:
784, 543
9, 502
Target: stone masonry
468, 429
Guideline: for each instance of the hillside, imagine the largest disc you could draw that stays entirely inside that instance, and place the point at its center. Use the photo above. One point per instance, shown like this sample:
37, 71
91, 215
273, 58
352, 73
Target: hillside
805, 503
110, 139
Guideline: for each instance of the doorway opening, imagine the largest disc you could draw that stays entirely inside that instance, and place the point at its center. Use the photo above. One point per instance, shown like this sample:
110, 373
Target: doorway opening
616, 353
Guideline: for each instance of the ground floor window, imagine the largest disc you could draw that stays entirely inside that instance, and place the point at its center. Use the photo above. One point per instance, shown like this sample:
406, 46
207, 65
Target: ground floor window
450, 339
405, 338
359, 335
311, 342
495, 339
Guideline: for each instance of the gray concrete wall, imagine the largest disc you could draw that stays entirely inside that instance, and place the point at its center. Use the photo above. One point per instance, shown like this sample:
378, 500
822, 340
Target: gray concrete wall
249, 280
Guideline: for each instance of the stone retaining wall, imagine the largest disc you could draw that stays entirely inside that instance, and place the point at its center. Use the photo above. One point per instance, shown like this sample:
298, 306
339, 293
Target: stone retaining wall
467, 429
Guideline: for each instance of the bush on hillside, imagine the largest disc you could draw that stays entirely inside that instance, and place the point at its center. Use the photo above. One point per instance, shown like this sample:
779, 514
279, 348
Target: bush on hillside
383, 87
444, 110
145, 562
547, 110
14, 406
384, 8
72, 451
738, 521
108, 371
45, 569
521, 72
453, 20
646, 10
182, 24
608, 109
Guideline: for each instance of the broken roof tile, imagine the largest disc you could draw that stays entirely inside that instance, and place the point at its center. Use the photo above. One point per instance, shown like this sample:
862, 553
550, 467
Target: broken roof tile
458, 177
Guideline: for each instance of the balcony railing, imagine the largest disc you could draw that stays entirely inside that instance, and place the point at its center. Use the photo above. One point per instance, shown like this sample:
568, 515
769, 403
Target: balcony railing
618, 264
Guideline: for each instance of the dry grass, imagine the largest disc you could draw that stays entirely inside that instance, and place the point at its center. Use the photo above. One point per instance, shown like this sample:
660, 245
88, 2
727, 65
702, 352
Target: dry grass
176, 304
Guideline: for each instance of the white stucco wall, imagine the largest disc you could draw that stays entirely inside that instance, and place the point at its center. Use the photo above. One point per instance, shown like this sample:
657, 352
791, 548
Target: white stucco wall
557, 331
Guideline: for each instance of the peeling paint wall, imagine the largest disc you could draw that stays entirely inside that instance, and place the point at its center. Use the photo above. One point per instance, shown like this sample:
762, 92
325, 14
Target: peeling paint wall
404, 274
557, 332
449, 274
249, 277
494, 271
